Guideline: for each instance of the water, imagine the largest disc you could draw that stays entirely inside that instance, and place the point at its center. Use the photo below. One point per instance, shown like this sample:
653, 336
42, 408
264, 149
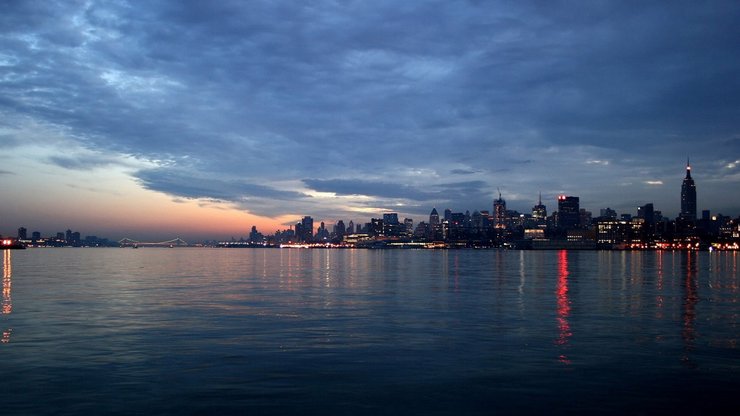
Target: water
270, 331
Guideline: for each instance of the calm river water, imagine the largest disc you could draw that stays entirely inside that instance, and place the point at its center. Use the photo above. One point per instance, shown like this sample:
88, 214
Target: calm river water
291, 331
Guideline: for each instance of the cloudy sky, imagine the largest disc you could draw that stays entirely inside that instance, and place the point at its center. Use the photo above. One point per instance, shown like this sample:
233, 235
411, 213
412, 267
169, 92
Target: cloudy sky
152, 119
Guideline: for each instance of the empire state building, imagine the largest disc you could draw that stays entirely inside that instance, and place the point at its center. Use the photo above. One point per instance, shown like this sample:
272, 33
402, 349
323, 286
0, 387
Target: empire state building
688, 196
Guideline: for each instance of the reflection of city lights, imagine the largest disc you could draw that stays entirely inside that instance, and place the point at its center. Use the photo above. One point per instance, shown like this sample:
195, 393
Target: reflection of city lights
690, 300
7, 305
563, 304
7, 265
659, 286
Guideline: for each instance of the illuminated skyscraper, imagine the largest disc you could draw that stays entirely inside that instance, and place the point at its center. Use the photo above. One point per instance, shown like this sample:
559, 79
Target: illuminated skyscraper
539, 211
408, 225
688, 195
499, 212
391, 226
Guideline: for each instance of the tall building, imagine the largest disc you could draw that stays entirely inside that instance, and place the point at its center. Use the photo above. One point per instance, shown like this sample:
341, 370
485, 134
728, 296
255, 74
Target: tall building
408, 225
569, 213
22, 233
646, 212
456, 225
391, 226
421, 230
375, 227
305, 231
434, 217
339, 229
255, 236
390, 218
539, 211
322, 234
608, 213
499, 212
476, 221
688, 196
584, 218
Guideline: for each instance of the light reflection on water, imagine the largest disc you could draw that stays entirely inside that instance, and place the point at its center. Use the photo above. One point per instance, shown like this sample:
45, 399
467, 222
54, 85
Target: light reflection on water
563, 306
7, 303
185, 331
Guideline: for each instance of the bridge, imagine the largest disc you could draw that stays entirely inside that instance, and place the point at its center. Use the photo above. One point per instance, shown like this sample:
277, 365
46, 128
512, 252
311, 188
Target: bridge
175, 242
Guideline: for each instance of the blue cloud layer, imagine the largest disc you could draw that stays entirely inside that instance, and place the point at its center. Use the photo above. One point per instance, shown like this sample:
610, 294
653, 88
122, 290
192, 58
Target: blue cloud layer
384, 99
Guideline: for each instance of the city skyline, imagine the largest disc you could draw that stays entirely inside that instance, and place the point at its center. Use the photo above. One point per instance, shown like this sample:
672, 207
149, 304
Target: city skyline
566, 214
202, 120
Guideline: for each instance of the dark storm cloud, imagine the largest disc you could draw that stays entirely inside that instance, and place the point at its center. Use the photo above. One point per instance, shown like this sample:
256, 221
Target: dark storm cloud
470, 191
185, 184
504, 93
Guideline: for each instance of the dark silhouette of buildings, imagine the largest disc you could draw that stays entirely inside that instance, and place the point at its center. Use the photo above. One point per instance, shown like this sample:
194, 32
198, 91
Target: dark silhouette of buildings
304, 230
569, 212
255, 236
570, 227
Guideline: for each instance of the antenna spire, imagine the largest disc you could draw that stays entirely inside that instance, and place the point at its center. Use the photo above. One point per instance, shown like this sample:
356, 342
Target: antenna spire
688, 168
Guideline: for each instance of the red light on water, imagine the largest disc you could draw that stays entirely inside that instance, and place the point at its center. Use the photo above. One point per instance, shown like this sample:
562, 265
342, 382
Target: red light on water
563, 304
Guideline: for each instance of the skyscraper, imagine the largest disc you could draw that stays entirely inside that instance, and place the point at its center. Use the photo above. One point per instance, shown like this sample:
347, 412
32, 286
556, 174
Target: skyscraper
306, 230
350, 227
499, 212
539, 211
647, 212
569, 213
391, 226
339, 229
448, 214
434, 217
390, 218
408, 225
688, 195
